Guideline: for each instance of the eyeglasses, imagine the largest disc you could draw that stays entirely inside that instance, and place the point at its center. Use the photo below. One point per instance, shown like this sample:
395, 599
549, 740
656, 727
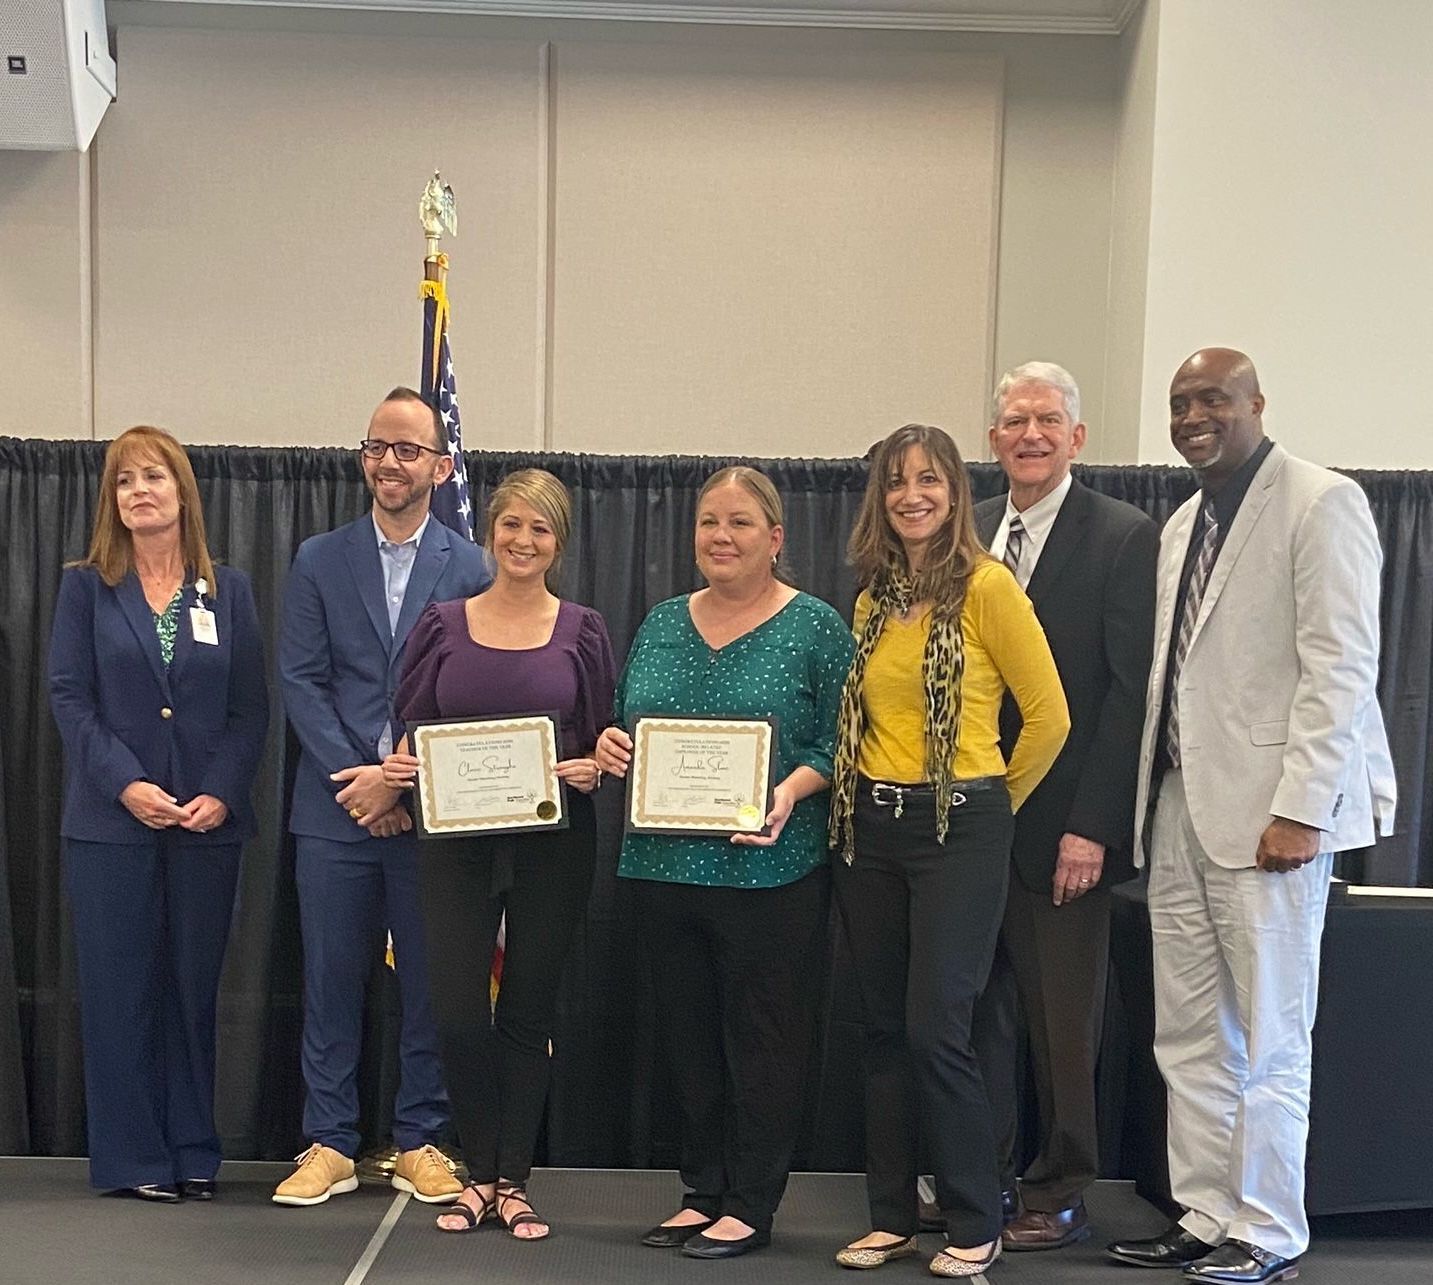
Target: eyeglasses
406, 452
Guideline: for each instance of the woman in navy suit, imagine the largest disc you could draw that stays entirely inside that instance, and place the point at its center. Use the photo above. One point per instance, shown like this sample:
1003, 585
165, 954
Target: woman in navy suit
157, 685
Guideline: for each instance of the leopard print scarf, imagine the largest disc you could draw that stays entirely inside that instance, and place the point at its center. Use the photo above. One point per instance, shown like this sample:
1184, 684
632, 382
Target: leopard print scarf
942, 668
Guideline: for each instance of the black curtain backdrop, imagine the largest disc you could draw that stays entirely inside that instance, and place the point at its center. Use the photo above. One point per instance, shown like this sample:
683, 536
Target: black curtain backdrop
630, 549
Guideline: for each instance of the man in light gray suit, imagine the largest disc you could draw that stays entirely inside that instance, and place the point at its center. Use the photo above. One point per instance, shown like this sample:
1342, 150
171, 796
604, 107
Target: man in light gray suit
1263, 754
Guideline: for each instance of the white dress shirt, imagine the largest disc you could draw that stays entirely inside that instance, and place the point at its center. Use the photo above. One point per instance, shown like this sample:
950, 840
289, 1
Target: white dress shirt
1037, 521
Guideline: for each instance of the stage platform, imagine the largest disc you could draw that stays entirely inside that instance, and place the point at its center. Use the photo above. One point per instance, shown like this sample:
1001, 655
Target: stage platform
55, 1231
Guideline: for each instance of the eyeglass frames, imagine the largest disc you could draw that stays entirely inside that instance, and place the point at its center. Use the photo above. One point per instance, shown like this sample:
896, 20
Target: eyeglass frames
406, 452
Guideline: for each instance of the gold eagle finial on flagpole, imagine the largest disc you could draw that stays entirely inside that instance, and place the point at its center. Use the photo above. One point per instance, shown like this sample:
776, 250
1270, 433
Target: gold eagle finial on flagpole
438, 212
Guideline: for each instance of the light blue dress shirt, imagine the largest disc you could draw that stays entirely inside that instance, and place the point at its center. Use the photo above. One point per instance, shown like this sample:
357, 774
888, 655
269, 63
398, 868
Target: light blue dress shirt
397, 561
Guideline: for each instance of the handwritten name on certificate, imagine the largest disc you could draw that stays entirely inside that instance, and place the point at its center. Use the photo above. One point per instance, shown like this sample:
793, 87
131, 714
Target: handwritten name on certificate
488, 774
700, 775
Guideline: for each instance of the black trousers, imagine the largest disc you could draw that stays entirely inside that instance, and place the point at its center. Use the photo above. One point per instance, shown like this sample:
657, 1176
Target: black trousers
1051, 964
736, 976
922, 920
496, 1062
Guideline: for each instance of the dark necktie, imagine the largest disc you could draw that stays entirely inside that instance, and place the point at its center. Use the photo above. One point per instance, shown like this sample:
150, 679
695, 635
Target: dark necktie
1014, 546
1193, 596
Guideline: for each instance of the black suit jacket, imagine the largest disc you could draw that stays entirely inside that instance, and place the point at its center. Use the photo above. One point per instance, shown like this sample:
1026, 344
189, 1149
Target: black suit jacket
1093, 591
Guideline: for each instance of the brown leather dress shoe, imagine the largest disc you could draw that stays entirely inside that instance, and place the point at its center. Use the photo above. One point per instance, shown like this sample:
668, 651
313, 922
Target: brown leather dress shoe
1035, 1229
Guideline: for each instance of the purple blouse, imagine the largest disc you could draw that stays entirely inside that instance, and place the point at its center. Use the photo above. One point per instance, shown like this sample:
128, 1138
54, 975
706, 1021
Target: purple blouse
446, 675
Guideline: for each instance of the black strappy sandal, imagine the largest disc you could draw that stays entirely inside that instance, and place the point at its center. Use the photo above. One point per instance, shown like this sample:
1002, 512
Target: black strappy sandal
517, 1191
474, 1218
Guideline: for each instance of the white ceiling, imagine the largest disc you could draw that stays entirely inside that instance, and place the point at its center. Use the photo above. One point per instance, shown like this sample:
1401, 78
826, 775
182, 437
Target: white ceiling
1083, 17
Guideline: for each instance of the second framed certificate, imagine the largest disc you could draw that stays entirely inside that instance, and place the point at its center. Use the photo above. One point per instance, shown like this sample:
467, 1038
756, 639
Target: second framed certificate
479, 775
700, 775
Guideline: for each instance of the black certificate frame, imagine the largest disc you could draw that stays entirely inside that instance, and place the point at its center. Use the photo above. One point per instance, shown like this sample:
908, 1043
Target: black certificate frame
537, 825
695, 832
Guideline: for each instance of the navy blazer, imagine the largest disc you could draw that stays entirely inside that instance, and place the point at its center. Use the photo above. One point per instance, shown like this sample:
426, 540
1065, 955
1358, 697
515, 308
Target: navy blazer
339, 662
194, 728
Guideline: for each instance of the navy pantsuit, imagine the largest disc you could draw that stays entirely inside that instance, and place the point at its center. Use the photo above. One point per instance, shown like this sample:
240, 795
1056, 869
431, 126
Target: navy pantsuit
151, 908
147, 1014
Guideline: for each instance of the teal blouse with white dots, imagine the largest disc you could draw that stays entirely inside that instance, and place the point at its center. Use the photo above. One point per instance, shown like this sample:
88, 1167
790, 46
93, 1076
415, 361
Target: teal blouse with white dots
166, 625
791, 666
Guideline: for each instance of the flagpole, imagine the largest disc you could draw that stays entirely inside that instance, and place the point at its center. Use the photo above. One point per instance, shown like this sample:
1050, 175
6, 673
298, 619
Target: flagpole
438, 213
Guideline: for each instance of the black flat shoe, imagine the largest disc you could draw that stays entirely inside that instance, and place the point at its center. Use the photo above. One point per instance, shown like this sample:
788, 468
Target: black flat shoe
161, 1193
1173, 1247
674, 1237
198, 1188
703, 1247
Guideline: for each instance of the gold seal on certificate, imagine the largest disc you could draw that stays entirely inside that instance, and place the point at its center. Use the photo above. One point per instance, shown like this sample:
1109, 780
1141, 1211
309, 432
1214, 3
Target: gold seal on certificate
700, 775
486, 774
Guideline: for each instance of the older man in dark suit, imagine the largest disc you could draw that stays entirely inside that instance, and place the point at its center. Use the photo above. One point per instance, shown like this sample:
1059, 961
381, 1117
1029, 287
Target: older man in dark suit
1088, 564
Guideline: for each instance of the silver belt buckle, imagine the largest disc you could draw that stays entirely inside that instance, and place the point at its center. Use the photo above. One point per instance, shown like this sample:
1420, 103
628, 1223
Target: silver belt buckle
880, 796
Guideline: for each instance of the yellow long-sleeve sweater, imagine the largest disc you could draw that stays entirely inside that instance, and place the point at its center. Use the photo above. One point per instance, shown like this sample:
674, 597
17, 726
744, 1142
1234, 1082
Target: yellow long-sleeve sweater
1004, 648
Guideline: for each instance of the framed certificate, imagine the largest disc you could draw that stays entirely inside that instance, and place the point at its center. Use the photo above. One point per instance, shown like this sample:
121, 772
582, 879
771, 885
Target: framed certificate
700, 775
484, 774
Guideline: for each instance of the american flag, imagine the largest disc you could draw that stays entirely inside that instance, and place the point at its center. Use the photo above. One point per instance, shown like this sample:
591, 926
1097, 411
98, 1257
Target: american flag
452, 504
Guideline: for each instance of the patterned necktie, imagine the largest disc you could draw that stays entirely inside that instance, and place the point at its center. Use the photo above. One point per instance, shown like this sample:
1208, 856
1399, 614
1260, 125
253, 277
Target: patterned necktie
1014, 546
1193, 596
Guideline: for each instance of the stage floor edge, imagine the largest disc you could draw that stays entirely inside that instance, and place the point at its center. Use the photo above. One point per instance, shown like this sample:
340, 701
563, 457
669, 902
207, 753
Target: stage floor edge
53, 1228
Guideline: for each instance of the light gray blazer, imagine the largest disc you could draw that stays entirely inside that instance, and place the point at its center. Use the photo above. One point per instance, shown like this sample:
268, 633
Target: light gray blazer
1278, 714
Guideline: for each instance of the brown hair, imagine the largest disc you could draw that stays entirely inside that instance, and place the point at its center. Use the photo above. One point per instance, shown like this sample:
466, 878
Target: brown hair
761, 489
405, 394
540, 489
111, 545
875, 550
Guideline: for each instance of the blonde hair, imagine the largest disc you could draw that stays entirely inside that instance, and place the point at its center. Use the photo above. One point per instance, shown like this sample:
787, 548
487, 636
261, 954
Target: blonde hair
540, 489
877, 552
761, 489
111, 550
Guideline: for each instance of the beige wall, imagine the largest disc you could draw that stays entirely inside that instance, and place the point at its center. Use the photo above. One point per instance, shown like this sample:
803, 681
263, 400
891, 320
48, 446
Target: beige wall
1060, 111
45, 388
745, 238
1289, 218
1129, 236
258, 249
293, 321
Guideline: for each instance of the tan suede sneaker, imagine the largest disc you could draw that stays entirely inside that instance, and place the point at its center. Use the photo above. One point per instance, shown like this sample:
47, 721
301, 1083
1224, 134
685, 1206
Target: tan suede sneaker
428, 1174
322, 1172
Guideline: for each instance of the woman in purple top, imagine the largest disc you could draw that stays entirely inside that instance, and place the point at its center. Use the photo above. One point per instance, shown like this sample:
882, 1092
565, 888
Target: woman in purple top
514, 649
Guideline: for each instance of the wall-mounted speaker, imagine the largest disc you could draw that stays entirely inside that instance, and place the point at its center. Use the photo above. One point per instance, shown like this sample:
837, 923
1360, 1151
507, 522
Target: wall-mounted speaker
57, 77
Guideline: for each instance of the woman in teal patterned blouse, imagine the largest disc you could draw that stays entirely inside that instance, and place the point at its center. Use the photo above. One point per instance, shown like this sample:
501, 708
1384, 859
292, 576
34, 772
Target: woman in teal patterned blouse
736, 926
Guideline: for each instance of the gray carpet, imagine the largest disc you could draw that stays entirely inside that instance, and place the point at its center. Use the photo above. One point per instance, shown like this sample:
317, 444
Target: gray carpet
54, 1231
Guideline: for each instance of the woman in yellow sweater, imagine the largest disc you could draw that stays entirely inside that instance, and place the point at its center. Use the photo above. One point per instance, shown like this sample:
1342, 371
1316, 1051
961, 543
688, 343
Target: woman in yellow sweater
922, 816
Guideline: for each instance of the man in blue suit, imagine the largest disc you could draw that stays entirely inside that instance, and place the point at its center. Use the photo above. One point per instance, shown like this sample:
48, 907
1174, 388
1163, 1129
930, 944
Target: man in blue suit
352, 598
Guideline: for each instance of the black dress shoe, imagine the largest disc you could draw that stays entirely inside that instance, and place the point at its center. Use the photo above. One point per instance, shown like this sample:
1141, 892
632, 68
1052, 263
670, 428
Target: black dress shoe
1240, 1262
161, 1193
674, 1237
704, 1247
1173, 1247
198, 1188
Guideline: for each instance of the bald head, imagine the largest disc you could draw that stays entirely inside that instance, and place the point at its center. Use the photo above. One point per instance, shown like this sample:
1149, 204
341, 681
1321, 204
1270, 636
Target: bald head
1224, 364
1216, 413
